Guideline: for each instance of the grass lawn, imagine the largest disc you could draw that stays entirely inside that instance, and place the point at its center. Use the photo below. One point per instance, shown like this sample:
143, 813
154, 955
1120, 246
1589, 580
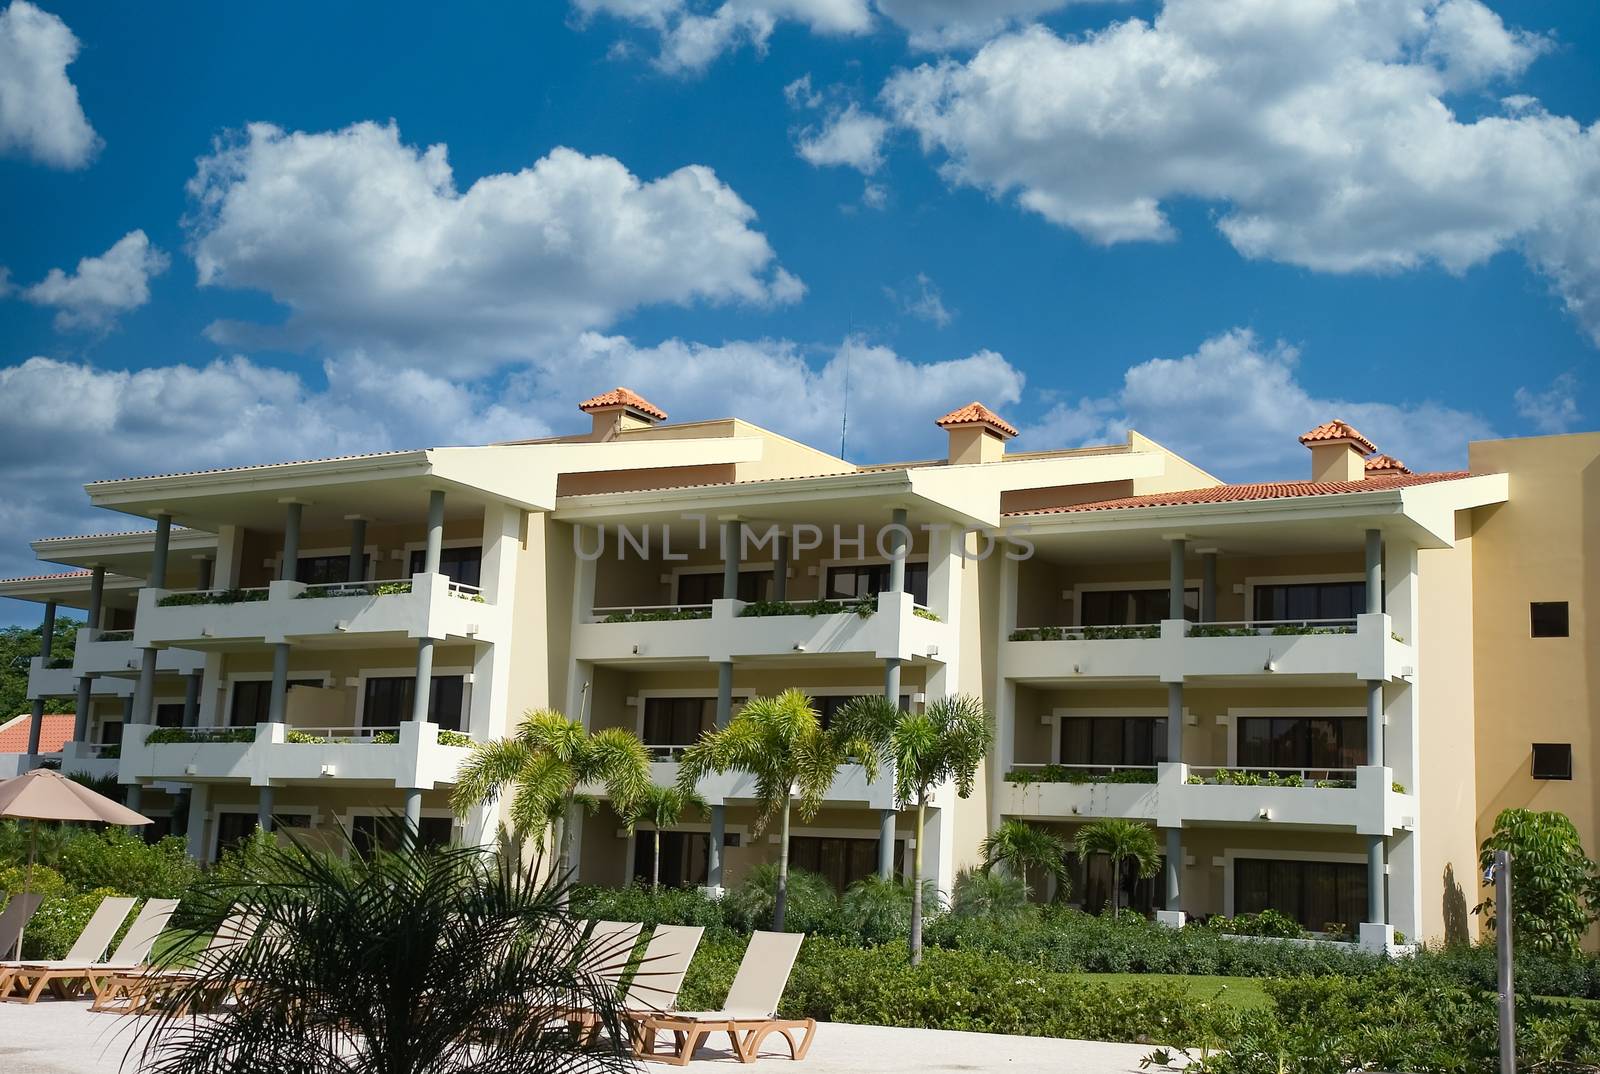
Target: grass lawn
1244, 993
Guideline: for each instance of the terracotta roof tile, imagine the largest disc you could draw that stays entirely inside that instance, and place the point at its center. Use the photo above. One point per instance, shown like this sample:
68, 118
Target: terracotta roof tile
1276, 490
58, 576
54, 733
1386, 464
623, 397
1338, 430
976, 413
255, 466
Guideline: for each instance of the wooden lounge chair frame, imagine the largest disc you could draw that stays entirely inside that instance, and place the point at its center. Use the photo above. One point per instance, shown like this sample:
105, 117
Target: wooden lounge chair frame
141, 992
750, 1015
91, 943
66, 980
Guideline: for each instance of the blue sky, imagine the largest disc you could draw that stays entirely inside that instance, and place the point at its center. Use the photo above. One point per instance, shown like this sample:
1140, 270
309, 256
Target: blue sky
1089, 215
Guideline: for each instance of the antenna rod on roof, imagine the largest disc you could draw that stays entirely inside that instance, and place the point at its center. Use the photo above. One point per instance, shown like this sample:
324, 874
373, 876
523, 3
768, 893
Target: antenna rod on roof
844, 416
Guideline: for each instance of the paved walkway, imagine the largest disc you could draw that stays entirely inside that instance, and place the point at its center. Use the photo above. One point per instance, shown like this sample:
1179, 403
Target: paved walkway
66, 1038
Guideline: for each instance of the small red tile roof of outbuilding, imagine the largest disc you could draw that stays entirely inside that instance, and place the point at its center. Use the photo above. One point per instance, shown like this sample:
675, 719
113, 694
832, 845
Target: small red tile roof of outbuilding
627, 397
976, 413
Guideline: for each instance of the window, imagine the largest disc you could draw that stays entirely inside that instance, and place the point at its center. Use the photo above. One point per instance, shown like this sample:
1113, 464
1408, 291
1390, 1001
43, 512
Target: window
387, 701
1297, 601
842, 861
1302, 741
252, 698
234, 828
676, 721
703, 587
464, 565
1548, 618
1114, 740
683, 858
111, 733
870, 579
169, 715
1133, 607
321, 570
384, 832
1091, 886
1317, 894
1552, 760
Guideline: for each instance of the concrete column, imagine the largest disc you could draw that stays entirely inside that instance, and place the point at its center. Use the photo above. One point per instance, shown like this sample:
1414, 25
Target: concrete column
199, 806
724, 693
886, 818
719, 828
208, 572
158, 558
423, 689
278, 699
430, 555
80, 720
191, 699
1173, 869
47, 636
35, 726
732, 535
413, 814
1175, 722
1374, 687
264, 808
1208, 588
1175, 578
47, 632
897, 551
358, 550
891, 680
97, 596
289, 566
145, 693
780, 568
1377, 911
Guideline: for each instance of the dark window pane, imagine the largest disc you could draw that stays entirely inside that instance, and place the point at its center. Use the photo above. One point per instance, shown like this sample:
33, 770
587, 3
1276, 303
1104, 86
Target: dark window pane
870, 579
1316, 894
464, 565
111, 733
675, 721
1310, 600
385, 832
703, 587
169, 715
1134, 607
320, 570
1552, 760
841, 861
1548, 619
683, 858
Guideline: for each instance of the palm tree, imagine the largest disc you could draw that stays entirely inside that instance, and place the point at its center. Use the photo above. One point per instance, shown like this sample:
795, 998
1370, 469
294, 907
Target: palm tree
945, 741
781, 742
545, 763
663, 807
1021, 846
1120, 840
443, 960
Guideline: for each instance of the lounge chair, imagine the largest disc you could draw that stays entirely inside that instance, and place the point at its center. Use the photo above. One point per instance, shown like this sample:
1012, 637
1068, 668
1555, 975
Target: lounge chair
656, 979
66, 978
138, 992
14, 917
91, 943
748, 1016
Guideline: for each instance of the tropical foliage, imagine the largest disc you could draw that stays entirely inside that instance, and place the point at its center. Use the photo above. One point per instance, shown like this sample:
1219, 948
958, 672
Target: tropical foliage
436, 960
1555, 886
18, 646
664, 808
1018, 846
544, 764
781, 743
944, 743
1120, 840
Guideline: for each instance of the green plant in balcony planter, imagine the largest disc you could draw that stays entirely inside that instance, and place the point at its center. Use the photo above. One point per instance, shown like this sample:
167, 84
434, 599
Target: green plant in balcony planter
302, 738
1201, 630
658, 615
225, 596
924, 613
863, 607
454, 738
386, 738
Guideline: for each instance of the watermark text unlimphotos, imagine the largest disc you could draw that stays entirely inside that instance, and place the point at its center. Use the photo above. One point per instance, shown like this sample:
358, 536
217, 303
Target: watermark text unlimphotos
667, 542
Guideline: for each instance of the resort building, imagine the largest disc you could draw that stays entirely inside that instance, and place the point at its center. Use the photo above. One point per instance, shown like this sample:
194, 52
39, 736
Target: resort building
1320, 691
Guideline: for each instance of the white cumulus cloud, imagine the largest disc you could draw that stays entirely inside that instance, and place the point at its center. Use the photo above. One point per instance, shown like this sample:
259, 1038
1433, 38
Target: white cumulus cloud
850, 137
1321, 129
1237, 408
1554, 410
40, 116
693, 33
101, 288
370, 245
942, 24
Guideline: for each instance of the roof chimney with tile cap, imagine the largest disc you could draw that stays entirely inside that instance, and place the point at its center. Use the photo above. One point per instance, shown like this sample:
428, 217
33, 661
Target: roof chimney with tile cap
977, 434
1386, 464
619, 410
1338, 452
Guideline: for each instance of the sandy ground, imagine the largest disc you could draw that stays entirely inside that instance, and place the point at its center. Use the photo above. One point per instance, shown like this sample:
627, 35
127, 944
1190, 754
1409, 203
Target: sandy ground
66, 1038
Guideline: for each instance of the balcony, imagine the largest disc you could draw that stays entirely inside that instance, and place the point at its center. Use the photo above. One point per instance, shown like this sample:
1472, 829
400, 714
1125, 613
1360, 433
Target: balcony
423, 606
1364, 648
1363, 800
112, 653
725, 630
409, 755
58, 681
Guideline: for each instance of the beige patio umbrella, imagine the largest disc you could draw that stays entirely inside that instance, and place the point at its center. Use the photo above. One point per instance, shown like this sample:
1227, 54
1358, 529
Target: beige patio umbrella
45, 794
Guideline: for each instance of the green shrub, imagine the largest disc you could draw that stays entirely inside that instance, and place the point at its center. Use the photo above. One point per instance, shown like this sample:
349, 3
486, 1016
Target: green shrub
46, 837
1266, 923
178, 735
863, 607
116, 860
637, 902
454, 738
875, 910
990, 897
42, 881
223, 596
812, 905
658, 615
1059, 773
